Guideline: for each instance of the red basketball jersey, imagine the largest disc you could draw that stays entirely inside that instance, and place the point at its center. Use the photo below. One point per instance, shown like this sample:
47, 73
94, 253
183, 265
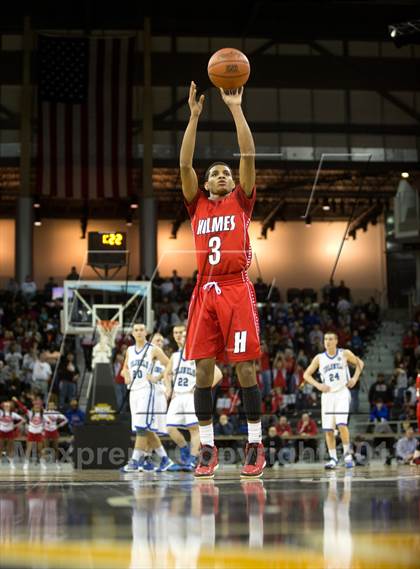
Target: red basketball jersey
220, 229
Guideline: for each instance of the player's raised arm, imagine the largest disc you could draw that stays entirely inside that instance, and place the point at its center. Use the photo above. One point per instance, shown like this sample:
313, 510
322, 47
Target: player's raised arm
308, 375
188, 176
233, 100
357, 363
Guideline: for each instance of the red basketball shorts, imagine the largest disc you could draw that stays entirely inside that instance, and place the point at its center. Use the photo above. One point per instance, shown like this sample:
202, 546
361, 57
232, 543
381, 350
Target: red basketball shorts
223, 320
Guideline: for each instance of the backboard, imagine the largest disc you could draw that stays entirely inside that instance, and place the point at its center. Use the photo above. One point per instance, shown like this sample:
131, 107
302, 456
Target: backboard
86, 302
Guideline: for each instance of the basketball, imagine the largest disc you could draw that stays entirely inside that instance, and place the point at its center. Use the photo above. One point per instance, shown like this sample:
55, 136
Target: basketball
228, 68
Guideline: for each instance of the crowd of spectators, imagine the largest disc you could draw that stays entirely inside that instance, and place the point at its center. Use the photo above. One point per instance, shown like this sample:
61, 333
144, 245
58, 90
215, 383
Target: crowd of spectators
292, 332
396, 396
31, 364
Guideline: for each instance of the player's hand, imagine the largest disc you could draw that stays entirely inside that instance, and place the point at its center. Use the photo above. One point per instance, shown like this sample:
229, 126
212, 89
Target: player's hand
351, 383
324, 388
195, 106
232, 97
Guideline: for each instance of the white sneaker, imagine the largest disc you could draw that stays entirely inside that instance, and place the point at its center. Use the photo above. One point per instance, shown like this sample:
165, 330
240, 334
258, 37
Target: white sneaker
331, 464
12, 465
43, 464
348, 461
26, 465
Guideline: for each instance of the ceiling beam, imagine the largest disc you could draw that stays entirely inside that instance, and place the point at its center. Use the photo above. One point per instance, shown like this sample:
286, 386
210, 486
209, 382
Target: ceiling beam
275, 71
362, 20
265, 127
349, 65
303, 127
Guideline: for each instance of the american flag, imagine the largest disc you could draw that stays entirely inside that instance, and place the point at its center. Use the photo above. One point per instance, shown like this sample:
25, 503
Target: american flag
84, 145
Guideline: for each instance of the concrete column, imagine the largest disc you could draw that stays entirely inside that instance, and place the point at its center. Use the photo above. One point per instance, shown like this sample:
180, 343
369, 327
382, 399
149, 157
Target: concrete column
23, 238
24, 211
148, 206
417, 255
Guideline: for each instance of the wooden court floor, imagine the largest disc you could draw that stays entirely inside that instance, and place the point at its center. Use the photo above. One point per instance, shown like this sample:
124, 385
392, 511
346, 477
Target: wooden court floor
295, 517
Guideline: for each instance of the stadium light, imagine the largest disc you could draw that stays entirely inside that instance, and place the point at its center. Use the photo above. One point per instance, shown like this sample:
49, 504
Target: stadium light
133, 203
405, 33
326, 205
37, 220
405, 175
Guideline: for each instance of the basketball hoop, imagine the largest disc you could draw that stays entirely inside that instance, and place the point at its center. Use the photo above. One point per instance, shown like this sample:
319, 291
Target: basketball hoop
102, 352
108, 330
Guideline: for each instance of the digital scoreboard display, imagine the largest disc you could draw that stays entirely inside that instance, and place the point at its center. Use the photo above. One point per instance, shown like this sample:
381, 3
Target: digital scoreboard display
107, 249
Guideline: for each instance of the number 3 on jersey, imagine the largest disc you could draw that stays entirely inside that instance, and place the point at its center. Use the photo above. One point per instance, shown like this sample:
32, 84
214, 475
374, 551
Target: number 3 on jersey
214, 244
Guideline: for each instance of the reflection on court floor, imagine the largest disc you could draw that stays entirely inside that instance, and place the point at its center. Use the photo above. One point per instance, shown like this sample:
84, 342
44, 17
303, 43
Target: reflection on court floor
294, 518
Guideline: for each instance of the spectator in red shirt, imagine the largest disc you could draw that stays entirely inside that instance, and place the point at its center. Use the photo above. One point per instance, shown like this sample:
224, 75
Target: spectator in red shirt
279, 380
277, 400
410, 343
283, 427
306, 426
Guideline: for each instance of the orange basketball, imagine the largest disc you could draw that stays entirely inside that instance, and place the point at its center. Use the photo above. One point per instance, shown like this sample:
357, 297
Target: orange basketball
228, 68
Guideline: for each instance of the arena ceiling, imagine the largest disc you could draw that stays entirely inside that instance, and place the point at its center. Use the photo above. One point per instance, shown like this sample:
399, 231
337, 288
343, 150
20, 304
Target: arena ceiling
285, 187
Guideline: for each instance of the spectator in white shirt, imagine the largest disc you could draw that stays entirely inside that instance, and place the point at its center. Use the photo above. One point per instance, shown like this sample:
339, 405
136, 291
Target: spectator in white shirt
343, 306
41, 374
28, 288
13, 358
167, 288
28, 363
406, 447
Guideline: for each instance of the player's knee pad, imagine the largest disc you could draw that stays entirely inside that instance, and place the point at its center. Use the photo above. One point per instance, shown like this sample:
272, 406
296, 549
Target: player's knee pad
252, 402
203, 403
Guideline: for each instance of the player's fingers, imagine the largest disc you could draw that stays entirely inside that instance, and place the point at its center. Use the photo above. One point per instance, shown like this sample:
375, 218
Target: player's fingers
201, 101
193, 89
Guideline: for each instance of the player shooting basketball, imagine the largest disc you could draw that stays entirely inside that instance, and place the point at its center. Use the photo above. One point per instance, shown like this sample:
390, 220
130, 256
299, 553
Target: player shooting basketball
223, 318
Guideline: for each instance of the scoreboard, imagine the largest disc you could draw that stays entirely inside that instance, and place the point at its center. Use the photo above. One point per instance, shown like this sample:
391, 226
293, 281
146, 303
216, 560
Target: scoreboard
107, 249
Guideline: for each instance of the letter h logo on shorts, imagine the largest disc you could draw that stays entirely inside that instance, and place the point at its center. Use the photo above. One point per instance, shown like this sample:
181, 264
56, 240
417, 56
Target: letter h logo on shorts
240, 342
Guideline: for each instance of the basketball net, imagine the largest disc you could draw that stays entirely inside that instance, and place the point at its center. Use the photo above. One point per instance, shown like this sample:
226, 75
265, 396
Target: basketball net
108, 330
102, 352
